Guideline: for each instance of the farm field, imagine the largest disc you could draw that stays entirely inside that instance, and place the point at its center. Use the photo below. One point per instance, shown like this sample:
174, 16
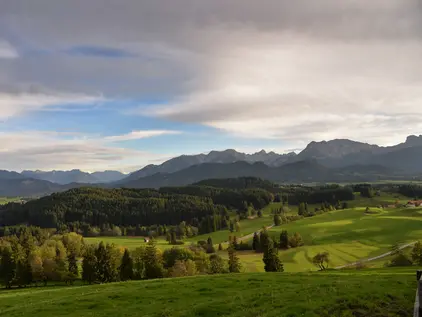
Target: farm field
385, 292
347, 235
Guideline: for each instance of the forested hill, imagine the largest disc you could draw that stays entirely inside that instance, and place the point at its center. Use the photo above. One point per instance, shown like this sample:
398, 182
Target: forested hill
238, 183
83, 208
203, 208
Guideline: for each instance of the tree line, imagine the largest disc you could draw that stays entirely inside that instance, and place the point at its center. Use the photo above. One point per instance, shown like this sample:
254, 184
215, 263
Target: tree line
26, 261
32, 259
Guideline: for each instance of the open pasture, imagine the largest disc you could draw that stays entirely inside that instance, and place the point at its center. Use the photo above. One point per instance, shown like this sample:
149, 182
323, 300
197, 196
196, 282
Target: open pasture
372, 293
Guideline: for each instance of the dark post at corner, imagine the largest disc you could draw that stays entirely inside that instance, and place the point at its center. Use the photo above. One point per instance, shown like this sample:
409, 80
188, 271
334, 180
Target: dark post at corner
418, 300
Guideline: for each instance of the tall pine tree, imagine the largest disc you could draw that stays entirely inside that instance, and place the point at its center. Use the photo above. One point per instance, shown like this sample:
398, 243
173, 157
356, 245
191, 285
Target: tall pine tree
234, 262
126, 268
256, 243
89, 266
153, 262
272, 262
7, 267
284, 240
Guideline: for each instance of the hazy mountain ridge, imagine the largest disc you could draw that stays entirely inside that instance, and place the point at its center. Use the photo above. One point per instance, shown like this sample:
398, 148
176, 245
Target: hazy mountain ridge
297, 172
337, 160
74, 176
227, 156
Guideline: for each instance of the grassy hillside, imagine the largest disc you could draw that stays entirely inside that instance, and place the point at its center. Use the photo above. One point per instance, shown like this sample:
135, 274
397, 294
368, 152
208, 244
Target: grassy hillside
348, 235
371, 293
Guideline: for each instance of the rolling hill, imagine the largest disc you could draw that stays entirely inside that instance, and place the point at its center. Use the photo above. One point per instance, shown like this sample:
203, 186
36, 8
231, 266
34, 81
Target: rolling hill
377, 293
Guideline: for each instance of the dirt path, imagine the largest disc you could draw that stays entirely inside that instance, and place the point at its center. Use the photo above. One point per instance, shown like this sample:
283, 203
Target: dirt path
248, 236
404, 246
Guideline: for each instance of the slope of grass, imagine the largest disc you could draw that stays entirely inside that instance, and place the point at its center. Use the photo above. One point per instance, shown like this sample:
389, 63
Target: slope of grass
347, 235
366, 293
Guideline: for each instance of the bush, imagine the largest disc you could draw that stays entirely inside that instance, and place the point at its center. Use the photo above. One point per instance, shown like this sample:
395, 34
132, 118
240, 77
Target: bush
400, 260
295, 240
244, 246
177, 242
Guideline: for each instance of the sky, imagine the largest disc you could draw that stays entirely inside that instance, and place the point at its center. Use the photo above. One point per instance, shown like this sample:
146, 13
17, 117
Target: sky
101, 84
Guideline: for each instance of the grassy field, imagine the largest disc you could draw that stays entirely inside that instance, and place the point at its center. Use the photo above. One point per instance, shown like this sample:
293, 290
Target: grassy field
247, 227
5, 200
365, 293
130, 243
347, 235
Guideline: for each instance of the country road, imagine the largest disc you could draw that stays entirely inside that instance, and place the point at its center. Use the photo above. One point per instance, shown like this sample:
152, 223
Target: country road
376, 257
251, 234
248, 236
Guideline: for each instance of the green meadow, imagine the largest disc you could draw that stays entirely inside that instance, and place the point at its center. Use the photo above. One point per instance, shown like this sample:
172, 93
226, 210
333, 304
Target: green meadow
347, 235
388, 292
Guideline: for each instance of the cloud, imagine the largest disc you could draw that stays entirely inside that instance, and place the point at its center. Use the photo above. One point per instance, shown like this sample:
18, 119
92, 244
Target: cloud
97, 51
7, 50
293, 71
12, 104
64, 151
135, 135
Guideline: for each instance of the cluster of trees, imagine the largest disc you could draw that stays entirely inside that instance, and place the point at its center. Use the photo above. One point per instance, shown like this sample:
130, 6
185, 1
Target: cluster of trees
411, 190
287, 241
304, 211
25, 261
240, 183
365, 190
331, 194
32, 259
230, 198
104, 264
262, 242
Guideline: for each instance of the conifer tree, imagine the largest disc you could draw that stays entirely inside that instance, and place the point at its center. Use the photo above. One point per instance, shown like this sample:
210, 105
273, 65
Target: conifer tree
277, 220
264, 239
126, 268
256, 244
89, 266
7, 267
272, 262
153, 262
234, 262
284, 240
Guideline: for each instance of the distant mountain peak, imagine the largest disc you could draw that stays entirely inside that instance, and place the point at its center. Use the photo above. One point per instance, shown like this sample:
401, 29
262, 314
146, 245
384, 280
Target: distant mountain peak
414, 140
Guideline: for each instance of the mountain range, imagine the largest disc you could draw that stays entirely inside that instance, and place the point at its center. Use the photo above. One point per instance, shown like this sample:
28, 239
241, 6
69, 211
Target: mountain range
75, 176
338, 160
